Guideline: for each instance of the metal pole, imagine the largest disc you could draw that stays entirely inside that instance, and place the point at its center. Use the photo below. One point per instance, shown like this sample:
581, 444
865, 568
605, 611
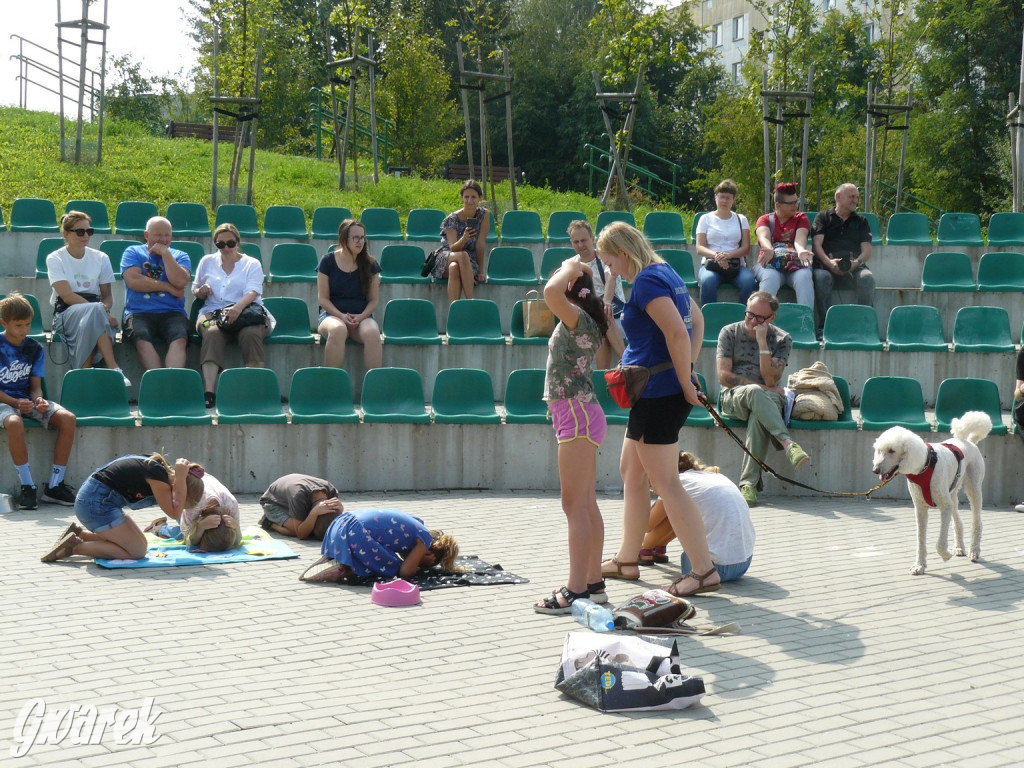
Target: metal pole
373, 110
103, 80
612, 149
216, 95
869, 154
60, 79
252, 123
83, 54
903, 149
508, 127
484, 144
767, 144
465, 108
807, 138
1013, 117
1018, 149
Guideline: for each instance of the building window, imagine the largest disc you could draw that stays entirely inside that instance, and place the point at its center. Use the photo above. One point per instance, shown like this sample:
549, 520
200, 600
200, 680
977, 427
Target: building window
715, 35
869, 33
739, 27
737, 76
828, 5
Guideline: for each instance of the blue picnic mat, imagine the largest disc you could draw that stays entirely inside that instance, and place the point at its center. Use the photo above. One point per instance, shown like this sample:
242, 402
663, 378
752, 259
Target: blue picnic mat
167, 553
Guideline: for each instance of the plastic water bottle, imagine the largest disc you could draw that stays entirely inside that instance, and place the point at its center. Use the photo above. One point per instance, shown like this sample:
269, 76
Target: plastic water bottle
590, 614
780, 256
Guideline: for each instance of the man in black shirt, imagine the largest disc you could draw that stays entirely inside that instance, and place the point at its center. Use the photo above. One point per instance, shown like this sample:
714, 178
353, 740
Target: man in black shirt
841, 240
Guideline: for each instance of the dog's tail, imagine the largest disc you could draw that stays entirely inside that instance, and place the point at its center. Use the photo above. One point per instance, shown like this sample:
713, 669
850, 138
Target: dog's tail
973, 426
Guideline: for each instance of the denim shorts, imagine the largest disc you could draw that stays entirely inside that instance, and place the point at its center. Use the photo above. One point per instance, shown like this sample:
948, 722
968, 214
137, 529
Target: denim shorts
155, 326
98, 506
574, 420
729, 572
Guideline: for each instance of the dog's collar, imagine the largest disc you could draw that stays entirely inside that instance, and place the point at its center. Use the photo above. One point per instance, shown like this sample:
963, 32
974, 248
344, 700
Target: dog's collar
923, 479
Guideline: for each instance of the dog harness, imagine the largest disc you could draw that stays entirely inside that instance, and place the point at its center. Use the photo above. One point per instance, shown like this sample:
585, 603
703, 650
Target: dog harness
923, 479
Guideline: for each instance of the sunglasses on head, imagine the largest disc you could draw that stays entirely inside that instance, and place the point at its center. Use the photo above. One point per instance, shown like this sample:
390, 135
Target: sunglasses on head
82, 231
222, 244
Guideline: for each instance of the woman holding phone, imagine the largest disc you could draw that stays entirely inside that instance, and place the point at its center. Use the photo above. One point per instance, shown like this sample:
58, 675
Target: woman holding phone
463, 235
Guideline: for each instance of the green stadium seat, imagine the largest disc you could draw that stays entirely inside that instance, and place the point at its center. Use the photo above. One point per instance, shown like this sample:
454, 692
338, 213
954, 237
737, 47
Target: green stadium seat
717, 315
402, 264
664, 228
957, 396
321, 396
516, 329
381, 224
875, 226
524, 397
285, 221
604, 218
798, 321
982, 329
558, 224
97, 212
474, 321
115, 250
511, 265
1001, 271
394, 396
893, 401
521, 227
3, 224
699, 415
811, 216
959, 229
612, 412
242, 216
845, 420
410, 321
172, 397
915, 329
851, 326
1006, 229
949, 271
682, 263
97, 397
254, 250
424, 225
552, 259
292, 316
33, 214
693, 226
131, 217
492, 231
194, 250
249, 396
189, 220
35, 330
46, 246
293, 263
464, 396
908, 229
193, 318
326, 221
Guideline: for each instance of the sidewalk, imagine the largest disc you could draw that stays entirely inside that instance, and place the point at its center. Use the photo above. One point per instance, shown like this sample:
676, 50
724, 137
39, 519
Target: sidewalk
844, 660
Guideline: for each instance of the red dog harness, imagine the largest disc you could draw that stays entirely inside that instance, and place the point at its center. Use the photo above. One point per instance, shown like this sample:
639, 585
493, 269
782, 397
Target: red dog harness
923, 479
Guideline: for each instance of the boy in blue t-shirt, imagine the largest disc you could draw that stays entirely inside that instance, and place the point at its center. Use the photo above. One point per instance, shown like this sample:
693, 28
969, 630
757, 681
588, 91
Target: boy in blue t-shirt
22, 367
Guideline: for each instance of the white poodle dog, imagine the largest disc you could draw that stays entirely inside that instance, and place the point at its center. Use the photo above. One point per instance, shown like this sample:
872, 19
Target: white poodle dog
935, 474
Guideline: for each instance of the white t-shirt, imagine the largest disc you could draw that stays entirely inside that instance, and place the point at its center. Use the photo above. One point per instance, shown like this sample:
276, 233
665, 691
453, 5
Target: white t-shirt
723, 234
84, 275
597, 269
725, 513
212, 489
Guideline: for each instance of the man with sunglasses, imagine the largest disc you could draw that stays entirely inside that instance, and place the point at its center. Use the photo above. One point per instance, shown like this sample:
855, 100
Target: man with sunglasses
156, 277
752, 355
841, 239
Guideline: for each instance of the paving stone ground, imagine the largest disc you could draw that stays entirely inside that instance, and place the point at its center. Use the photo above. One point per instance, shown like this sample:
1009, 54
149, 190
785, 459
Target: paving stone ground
844, 658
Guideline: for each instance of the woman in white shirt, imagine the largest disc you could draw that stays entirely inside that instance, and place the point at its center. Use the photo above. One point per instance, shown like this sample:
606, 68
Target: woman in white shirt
230, 280
726, 517
723, 243
81, 277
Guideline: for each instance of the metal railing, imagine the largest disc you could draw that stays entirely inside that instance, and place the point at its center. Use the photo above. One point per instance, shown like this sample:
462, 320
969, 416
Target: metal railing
654, 185
322, 116
29, 67
888, 203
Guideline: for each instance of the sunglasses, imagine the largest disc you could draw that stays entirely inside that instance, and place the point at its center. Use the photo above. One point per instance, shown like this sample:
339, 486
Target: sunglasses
222, 244
82, 231
357, 238
759, 318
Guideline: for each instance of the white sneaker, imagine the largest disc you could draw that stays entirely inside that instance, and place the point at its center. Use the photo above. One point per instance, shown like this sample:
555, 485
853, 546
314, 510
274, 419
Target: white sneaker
1020, 507
127, 381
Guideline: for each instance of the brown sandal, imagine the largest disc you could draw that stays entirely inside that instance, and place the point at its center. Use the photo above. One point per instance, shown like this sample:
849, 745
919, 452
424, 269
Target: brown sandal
701, 586
618, 574
155, 525
63, 548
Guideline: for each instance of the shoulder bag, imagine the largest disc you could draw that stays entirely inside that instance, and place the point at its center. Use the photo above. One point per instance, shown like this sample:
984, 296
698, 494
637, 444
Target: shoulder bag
538, 319
253, 314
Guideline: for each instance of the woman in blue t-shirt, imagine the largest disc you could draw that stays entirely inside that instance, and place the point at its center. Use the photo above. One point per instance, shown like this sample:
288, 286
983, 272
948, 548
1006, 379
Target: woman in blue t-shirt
348, 289
662, 326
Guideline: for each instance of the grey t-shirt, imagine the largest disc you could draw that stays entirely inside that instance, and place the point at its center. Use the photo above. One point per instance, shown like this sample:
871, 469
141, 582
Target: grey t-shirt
736, 345
292, 496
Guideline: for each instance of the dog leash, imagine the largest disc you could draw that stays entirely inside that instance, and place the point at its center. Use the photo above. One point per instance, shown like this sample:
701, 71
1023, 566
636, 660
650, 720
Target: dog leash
765, 468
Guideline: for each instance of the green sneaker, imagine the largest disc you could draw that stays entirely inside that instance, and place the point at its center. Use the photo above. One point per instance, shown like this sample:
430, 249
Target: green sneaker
749, 494
797, 456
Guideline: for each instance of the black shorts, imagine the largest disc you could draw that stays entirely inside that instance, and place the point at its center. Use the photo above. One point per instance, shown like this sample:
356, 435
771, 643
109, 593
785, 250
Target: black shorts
657, 420
155, 326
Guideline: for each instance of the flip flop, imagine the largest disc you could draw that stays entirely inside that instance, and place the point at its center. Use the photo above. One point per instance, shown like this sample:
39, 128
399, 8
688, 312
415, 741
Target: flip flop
617, 573
324, 570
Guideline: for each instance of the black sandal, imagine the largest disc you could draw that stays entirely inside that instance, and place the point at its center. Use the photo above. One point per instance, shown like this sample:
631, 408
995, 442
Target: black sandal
550, 605
597, 592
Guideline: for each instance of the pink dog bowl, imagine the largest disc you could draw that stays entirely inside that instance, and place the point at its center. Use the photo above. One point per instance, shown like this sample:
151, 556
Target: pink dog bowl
396, 593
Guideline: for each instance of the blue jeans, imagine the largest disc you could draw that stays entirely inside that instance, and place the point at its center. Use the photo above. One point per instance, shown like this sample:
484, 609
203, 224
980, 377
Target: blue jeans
770, 279
99, 507
709, 282
725, 572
